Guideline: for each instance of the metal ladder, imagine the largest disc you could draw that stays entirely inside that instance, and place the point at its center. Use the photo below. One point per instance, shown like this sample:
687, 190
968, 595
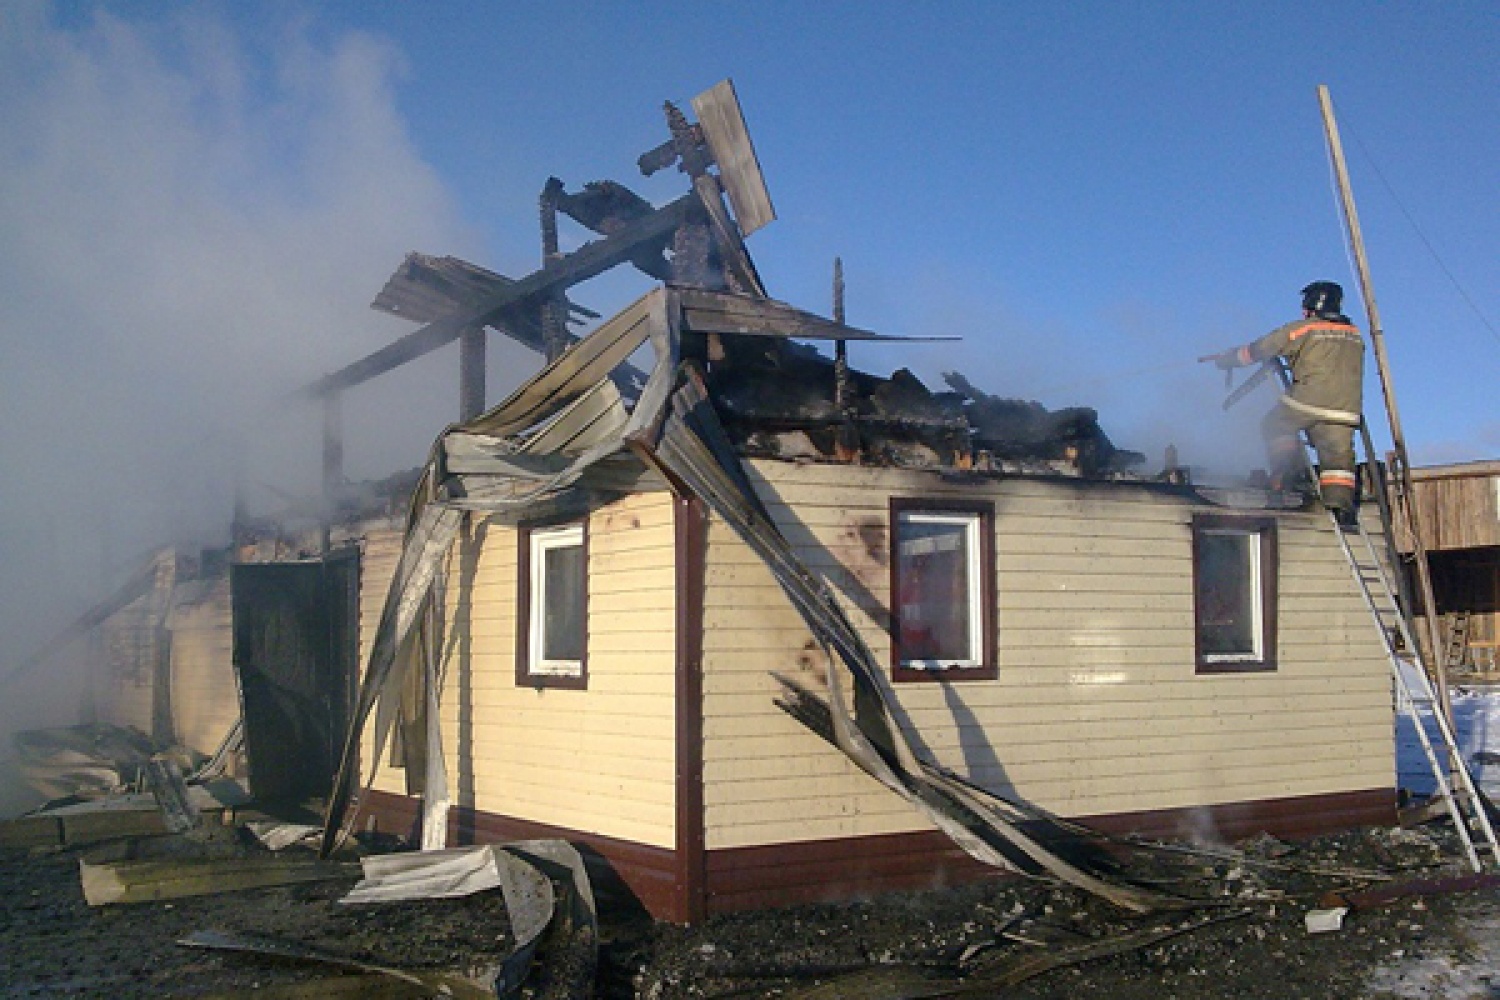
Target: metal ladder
1413, 687
1457, 648
1415, 697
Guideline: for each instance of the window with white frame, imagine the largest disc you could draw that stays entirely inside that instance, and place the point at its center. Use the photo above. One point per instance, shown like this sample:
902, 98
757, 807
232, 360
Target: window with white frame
553, 634
942, 573
1234, 593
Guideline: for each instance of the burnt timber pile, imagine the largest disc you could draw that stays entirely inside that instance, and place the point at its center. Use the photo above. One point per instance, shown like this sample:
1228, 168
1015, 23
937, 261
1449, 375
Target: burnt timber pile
776, 397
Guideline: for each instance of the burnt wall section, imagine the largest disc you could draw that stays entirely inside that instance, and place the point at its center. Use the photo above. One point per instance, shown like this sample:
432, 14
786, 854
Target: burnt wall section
295, 642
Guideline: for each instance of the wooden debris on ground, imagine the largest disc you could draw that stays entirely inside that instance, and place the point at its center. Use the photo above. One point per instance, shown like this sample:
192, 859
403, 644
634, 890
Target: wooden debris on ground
131, 814
178, 810
996, 971
148, 881
464, 986
360, 986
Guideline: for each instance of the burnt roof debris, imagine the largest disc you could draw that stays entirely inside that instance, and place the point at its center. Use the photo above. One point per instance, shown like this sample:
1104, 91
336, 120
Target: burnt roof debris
776, 399
1014, 428
693, 240
606, 207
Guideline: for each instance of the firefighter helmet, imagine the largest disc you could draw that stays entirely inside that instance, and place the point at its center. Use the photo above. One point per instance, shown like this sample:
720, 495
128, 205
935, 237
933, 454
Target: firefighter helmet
1323, 297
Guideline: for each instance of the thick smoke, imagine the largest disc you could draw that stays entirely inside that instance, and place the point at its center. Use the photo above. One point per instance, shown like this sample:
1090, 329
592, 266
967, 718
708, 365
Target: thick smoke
1136, 364
190, 228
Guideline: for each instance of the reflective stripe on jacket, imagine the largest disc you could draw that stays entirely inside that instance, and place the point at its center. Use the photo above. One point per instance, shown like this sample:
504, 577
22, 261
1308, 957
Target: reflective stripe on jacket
1327, 359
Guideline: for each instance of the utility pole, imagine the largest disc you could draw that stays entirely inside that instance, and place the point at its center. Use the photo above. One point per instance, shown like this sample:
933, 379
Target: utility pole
1404, 506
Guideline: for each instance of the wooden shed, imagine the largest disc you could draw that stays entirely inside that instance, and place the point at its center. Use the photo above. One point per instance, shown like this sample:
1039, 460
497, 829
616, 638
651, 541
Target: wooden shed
630, 600
1457, 508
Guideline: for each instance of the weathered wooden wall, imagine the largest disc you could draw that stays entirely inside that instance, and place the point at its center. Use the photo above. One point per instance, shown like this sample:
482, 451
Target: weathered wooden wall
128, 657
205, 694
1458, 518
1457, 507
1097, 708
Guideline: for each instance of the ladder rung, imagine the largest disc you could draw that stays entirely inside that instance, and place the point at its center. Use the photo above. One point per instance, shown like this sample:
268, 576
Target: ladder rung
1415, 697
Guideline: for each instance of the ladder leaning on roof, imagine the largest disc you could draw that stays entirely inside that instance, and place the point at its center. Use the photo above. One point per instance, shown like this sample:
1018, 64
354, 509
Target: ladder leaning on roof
1415, 696
1454, 782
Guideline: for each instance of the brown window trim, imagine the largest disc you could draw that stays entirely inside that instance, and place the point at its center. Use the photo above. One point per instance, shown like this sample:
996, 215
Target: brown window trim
989, 667
524, 676
1269, 586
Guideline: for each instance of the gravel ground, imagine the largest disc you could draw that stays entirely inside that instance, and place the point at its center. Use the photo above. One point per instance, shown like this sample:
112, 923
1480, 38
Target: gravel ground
1244, 937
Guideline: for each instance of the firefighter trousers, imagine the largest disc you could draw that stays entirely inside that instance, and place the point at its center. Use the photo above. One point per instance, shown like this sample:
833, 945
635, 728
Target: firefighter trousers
1334, 443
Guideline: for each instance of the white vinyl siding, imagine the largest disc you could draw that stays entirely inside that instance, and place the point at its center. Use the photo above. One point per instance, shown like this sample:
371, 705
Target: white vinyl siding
600, 760
1097, 707
557, 631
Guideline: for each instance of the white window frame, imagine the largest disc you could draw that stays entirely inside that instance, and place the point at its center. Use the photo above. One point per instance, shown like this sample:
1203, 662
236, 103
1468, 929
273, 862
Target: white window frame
1253, 541
972, 524
543, 541
1260, 540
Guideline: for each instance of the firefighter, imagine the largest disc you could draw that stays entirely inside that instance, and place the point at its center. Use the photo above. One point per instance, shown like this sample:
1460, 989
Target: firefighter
1326, 355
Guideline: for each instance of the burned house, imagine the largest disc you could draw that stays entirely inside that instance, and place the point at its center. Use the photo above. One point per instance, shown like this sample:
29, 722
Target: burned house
756, 627
250, 651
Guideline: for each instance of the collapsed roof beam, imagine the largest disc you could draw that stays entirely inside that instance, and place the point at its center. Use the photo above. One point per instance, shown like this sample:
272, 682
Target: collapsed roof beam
586, 262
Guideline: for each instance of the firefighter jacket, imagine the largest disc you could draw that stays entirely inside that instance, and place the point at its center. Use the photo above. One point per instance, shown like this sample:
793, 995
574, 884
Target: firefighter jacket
1327, 361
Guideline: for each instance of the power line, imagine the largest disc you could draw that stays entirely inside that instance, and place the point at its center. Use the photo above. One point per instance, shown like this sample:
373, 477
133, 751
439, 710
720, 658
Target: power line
1437, 258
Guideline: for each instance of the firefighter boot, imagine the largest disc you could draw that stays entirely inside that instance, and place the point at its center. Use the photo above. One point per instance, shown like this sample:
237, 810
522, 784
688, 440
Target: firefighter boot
1341, 502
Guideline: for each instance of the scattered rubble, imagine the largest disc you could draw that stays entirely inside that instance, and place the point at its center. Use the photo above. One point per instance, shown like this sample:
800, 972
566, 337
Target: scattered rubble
1407, 933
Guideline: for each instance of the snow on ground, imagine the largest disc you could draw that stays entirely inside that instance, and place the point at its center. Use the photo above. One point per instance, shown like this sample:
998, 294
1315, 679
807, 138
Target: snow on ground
1472, 968
1476, 718
1466, 973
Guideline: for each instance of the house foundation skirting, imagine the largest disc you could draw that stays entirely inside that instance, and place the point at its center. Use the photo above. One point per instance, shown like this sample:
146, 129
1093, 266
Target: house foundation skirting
770, 875
623, 872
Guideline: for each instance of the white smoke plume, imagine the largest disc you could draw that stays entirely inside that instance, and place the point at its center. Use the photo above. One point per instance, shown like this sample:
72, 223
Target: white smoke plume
191, 227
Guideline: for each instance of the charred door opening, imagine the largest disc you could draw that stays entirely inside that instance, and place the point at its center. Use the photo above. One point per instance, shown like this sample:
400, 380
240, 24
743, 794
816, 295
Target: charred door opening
296, 643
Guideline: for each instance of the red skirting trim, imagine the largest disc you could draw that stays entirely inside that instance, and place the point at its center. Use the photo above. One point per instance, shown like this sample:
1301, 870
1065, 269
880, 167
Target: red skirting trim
624, 873
771, 875
748, 878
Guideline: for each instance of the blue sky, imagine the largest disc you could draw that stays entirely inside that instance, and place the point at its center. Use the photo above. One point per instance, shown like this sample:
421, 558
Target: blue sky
198, 201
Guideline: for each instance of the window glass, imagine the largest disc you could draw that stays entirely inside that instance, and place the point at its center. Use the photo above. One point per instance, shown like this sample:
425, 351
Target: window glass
562, 602
557, 630
1234, 592
1229, 594
938, 613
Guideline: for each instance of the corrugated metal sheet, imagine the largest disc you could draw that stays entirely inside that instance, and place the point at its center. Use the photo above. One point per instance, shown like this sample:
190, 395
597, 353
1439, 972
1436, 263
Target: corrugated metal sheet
694, 448
425, 288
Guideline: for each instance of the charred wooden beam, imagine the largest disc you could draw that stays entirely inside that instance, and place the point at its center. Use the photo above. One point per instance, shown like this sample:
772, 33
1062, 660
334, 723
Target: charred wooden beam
471, 372
666, 154
847, 447
739, 273
586, 262
333, 447
425, 288
605, 207
710, 312
554, 330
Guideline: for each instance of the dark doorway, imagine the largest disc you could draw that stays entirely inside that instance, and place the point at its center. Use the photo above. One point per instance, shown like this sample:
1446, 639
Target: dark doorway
1467, 581
296, 653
